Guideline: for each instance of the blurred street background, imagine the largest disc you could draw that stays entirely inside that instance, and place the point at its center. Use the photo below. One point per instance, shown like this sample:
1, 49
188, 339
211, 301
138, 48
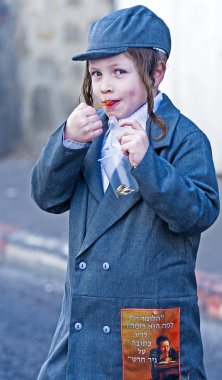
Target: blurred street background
39, 87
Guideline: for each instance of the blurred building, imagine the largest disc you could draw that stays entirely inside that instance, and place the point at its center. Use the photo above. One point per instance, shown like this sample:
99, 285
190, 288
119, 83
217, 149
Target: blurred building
10, 115
39, 83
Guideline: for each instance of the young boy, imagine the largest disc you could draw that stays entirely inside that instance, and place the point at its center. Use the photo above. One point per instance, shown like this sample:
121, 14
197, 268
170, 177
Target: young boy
130, 275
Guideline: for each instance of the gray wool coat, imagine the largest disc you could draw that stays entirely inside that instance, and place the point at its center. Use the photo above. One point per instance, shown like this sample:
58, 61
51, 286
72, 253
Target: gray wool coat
136, 251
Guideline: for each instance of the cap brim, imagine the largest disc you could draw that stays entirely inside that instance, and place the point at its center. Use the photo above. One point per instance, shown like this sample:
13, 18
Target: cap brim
98, 54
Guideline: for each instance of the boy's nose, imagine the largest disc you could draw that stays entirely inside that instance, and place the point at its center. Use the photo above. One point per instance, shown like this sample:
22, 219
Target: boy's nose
106, 86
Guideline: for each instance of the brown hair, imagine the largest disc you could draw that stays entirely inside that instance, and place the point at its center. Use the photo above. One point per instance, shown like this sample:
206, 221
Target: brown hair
145, 60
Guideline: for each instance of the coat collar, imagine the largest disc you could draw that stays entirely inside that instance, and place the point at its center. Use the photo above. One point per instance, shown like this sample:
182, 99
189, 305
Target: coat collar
170, 114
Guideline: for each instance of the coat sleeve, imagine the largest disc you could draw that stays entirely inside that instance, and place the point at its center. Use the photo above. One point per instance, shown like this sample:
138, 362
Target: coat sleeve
183, 190
55, 174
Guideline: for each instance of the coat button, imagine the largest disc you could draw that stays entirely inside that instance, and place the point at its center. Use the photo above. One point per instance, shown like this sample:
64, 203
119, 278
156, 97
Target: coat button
78, 326
105, 266
82, 265
106, 329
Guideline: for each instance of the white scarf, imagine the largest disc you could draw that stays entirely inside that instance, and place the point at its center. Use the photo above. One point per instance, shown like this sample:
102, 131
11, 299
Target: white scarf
141, 116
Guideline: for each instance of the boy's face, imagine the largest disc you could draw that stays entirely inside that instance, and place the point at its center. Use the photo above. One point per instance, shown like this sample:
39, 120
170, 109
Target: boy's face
117, 79
165, 347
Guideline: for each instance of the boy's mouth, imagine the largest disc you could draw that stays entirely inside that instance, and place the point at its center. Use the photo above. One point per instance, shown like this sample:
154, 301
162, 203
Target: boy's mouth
110, 103
107, 103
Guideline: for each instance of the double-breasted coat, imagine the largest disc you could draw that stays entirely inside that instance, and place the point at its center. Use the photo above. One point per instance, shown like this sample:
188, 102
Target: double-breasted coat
136, 251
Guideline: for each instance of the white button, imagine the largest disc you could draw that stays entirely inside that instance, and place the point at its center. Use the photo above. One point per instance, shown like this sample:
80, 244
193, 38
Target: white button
105, 266
82, 265
78, 326
106, 329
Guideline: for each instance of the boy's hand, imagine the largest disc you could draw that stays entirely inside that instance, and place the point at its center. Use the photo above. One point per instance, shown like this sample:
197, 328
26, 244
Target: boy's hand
83, 125
134, 141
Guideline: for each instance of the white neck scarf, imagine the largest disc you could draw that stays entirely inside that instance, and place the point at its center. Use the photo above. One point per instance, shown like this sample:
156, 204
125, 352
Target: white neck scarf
139, 115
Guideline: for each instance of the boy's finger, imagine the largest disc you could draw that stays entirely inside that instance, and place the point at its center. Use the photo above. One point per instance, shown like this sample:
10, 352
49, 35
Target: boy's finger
128, 147
126, 132
93, 118
89, 111
82, 106
97, 125
131, 122
125, 139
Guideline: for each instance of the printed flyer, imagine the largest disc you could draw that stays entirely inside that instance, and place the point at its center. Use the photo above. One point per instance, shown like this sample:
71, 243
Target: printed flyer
151, 344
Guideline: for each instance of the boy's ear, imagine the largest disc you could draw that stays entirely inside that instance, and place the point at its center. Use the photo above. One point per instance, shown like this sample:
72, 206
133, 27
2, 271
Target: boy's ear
159, 73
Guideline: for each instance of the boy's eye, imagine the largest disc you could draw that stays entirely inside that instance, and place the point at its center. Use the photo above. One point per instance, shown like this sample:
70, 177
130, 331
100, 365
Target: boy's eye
96, 73
119, 71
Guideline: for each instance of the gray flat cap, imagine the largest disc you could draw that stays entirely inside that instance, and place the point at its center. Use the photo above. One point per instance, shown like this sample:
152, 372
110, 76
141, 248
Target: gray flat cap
131, 27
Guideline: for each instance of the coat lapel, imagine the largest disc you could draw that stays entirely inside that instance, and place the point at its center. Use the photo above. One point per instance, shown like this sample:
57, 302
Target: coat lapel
110, 210
92, 167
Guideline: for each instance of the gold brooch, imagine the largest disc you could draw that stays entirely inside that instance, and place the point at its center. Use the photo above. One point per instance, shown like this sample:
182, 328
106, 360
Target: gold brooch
124, 190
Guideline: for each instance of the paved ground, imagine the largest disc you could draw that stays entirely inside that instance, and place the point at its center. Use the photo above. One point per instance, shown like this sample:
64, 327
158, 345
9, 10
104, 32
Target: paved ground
30, 306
